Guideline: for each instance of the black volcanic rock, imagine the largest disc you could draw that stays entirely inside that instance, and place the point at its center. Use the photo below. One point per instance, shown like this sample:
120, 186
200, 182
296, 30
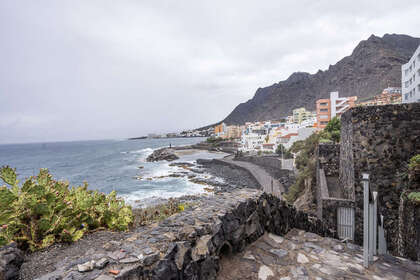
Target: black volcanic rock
374, 65
162, 154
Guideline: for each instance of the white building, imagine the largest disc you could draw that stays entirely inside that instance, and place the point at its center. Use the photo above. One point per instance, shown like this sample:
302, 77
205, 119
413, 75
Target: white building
410, 80
303, 133
340, 104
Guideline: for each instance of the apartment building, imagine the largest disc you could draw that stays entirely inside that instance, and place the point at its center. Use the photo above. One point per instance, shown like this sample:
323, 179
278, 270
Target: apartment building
220, 130
301, 114
410, 80
234, 131
326, 109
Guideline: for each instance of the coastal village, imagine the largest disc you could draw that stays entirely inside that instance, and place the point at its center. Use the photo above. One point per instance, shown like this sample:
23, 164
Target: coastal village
298, 202
267, 136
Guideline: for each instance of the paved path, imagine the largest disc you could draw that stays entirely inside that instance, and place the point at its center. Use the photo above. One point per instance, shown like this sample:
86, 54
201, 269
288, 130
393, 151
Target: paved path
267, 182
304, 255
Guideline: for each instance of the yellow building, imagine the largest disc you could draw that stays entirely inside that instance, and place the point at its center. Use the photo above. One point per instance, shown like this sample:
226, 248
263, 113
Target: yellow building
301, 114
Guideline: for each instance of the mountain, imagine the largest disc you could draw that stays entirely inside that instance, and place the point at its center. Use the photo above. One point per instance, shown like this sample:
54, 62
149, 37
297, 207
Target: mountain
374, 65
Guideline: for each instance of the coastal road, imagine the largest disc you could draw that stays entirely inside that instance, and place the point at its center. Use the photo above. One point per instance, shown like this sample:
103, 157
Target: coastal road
267, 182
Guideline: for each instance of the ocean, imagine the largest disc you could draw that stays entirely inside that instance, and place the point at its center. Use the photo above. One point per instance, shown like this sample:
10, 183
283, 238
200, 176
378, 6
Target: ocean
108, 165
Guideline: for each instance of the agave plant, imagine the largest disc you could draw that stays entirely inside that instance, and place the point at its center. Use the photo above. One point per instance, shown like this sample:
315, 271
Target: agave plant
43, 211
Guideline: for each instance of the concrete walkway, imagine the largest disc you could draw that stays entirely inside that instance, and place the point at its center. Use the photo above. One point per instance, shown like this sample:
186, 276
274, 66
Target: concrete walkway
267, 182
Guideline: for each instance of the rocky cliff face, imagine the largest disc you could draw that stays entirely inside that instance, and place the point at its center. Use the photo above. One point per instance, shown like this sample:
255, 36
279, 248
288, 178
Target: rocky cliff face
374, 64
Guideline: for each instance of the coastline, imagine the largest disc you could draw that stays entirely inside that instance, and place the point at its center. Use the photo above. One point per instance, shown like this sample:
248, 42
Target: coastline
225, 179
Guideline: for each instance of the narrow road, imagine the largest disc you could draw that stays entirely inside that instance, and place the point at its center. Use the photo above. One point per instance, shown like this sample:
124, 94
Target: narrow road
267, 182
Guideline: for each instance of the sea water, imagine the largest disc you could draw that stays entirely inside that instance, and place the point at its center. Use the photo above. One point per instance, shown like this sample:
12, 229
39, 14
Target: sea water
109, 165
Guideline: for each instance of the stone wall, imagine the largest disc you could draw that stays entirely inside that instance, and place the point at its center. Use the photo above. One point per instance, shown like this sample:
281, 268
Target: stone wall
327, 167
378, 140
273, 166
263, 161
409, 228
11, 259
188, 245
330, 208
328, 158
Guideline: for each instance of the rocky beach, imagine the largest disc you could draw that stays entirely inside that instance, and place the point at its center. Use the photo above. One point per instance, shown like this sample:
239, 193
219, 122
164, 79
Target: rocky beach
218, 177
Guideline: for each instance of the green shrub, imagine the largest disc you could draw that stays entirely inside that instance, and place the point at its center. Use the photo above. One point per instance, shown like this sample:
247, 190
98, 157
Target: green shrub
281, 150
43, 211
298, 187
414, 196
414, 162
305, 159
145, 216
213, 140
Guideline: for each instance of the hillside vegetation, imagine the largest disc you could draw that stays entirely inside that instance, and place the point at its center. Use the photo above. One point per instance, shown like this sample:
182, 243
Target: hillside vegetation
305, 157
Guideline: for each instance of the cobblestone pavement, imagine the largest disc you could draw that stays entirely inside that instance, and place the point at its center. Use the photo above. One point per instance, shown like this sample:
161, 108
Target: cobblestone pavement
268, 183
303, 255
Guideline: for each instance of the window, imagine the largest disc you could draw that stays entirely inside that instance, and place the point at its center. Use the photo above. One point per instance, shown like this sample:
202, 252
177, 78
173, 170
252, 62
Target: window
406, 96
323, 122
323, 110
406, 72
323, 104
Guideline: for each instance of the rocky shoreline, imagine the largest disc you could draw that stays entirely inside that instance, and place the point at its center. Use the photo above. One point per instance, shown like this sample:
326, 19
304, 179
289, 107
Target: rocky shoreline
220, 178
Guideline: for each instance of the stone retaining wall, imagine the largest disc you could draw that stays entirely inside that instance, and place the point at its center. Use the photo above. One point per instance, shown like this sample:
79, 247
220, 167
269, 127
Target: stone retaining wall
328, 158
11, 259
188, 245
378, 140
409, 228
273, 166
263, 161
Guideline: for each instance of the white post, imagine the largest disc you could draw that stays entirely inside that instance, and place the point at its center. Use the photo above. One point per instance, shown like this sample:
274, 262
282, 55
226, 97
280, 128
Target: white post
371, 226
365, 181
381, 241
375, 222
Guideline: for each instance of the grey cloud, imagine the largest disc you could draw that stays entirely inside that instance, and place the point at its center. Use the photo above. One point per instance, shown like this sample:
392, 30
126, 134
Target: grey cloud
112, 69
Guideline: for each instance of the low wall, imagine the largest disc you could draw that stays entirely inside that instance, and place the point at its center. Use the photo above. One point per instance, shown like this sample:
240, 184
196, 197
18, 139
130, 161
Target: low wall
188, 245
273, 166
11, 259
263, 161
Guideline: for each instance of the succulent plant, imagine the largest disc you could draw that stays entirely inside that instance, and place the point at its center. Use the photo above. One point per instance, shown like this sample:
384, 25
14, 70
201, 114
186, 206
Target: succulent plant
43, 211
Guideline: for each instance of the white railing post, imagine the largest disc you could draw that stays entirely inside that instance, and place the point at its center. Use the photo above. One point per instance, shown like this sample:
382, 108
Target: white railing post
381, 238
365, 180
371, 226
375, 222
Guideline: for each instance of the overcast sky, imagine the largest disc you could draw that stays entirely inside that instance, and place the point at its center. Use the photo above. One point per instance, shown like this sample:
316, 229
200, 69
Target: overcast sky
72, 70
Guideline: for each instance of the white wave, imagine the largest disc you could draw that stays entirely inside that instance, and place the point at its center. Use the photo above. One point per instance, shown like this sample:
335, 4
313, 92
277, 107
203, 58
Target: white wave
142, 151
148, 196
